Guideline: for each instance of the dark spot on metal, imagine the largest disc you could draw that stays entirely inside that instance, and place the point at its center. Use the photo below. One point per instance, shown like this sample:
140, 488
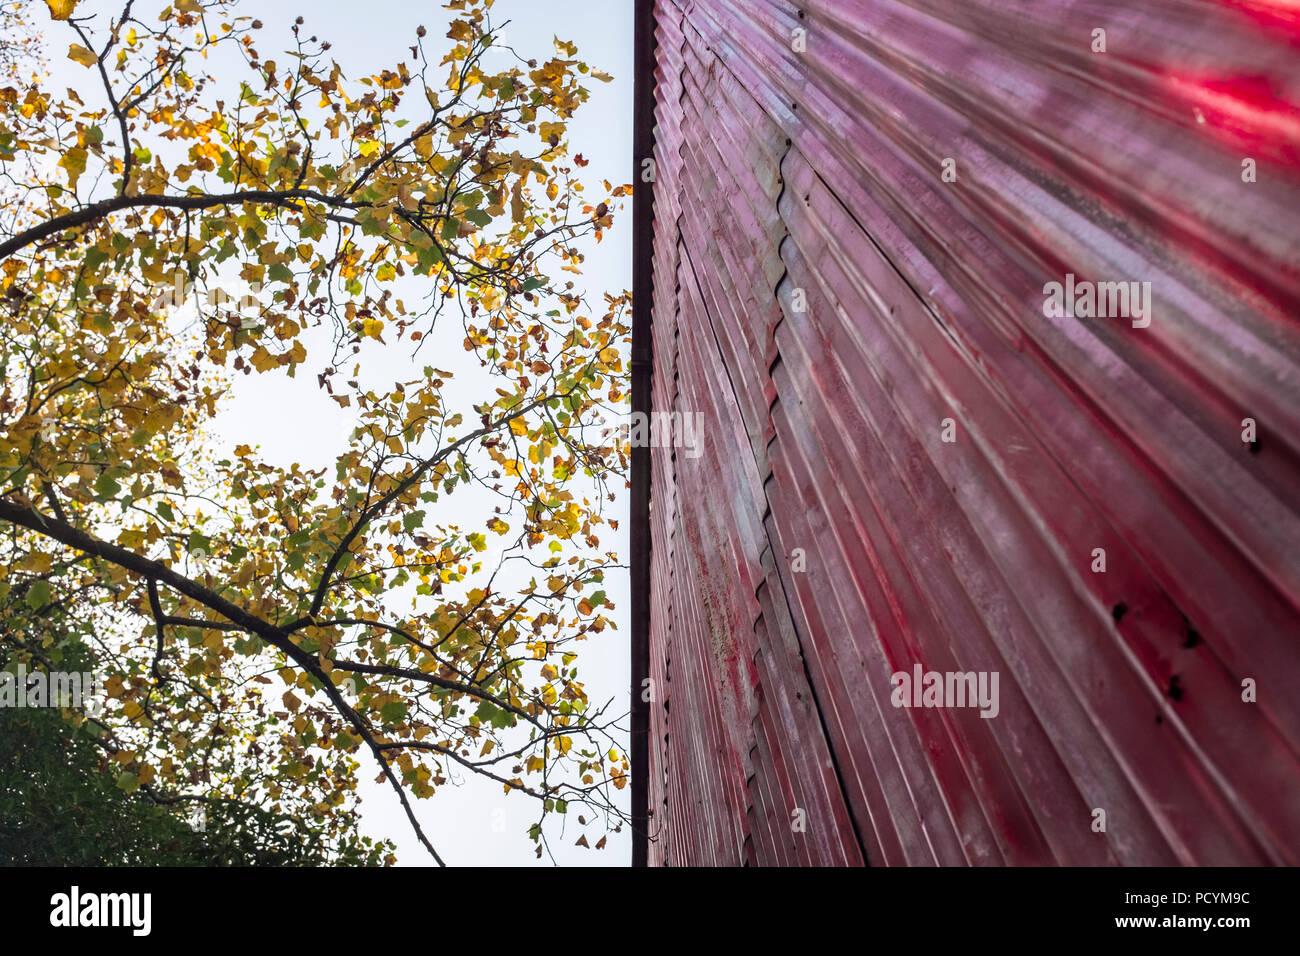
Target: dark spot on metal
1175, 689
1118, 611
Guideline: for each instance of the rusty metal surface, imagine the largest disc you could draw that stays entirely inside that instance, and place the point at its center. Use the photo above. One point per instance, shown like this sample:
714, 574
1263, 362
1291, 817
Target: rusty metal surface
824, 300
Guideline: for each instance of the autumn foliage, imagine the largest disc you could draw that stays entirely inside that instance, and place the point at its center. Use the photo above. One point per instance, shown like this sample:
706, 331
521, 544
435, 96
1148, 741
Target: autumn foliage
207, 206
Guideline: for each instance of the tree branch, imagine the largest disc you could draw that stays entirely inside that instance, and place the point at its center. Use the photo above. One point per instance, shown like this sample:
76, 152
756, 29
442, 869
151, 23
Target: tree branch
28, 517
106, 207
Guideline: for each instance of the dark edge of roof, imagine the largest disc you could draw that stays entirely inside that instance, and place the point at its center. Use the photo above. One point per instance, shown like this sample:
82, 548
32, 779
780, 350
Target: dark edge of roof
642, 359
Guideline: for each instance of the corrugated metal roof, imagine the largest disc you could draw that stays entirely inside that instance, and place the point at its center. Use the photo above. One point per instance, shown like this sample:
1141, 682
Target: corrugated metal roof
825, 300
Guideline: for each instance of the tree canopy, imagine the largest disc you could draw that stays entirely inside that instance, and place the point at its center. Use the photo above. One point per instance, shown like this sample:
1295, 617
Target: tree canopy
211, 205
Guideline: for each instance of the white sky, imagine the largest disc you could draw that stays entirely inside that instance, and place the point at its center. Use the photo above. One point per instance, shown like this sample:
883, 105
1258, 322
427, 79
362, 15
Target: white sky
293, 421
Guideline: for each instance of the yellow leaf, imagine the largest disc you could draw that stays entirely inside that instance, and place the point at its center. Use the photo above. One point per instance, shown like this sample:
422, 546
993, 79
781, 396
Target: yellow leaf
79, 54
37, 561
517, 201
61, 9
74, 161
263, 360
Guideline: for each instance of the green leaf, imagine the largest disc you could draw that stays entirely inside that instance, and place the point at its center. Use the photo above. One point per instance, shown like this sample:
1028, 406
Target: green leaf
450, 228
494, 715
106, 486
311, 229
393, 713
371, 223
95, 258
38, 595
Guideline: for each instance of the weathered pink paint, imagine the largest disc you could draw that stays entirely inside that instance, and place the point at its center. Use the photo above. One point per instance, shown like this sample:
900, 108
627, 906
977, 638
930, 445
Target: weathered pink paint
813, 179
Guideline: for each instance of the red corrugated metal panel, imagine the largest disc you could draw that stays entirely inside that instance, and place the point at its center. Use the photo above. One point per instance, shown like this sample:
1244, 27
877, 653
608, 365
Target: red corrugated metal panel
825, 299
750, 742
